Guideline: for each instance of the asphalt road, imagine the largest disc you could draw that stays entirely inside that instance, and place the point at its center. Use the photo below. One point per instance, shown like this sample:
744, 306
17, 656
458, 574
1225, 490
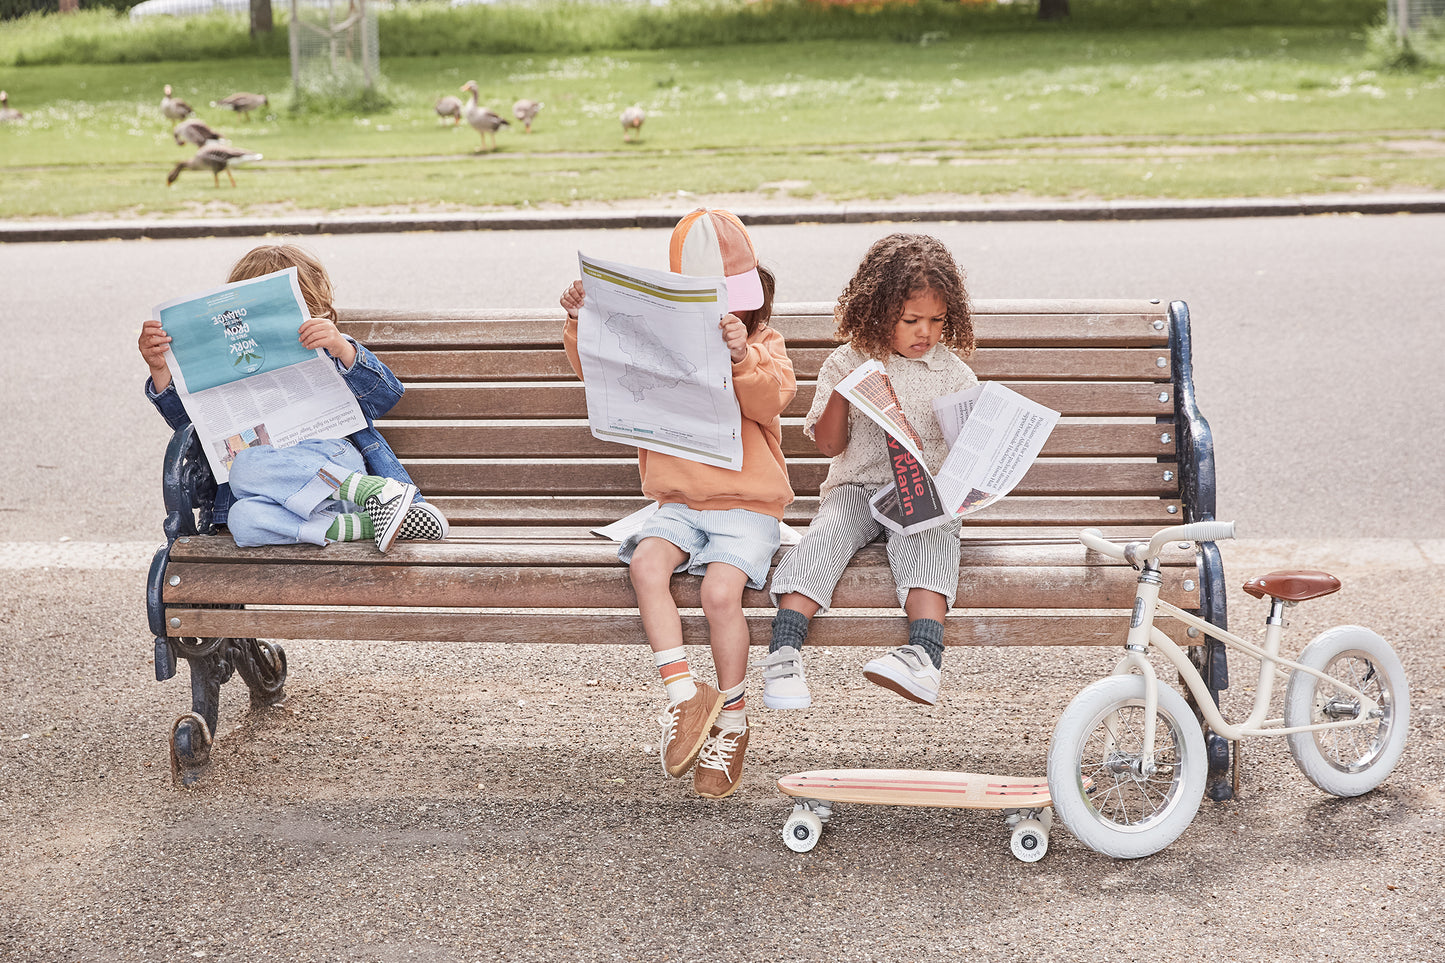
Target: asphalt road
1316, 345
503, 802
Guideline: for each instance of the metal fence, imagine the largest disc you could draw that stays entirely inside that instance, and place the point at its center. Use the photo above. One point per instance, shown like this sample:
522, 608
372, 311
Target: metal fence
334, 48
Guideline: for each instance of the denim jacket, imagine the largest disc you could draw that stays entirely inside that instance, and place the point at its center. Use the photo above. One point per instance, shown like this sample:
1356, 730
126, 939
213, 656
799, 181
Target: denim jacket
377, 391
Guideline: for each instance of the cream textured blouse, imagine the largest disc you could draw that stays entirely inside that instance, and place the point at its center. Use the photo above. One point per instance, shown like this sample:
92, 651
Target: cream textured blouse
916, 382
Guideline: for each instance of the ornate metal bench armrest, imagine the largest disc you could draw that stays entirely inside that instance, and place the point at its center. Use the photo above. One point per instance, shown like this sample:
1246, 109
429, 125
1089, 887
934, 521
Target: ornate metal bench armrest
189, 487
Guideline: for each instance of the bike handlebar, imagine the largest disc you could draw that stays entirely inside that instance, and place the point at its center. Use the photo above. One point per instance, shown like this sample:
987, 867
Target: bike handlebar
1193, 532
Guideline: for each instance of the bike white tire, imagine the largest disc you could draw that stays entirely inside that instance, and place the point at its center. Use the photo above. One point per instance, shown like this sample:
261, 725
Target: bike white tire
1121, 815
1348, 762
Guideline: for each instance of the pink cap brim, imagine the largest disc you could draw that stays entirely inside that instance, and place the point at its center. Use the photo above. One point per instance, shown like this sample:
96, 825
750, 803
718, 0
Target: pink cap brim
745, 291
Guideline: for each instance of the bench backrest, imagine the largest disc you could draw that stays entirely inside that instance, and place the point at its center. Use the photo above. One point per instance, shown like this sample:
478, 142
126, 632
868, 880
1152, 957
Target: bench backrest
493, 424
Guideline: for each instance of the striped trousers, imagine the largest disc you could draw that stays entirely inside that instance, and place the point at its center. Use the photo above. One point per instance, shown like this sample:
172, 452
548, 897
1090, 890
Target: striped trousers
843, 525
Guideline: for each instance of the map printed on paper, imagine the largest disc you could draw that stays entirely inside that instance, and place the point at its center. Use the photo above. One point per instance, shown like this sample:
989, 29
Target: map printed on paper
654, 364
655, 367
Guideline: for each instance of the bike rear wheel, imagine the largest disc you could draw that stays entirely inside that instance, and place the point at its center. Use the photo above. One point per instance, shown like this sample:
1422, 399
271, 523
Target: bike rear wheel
1348, 761
1100, 784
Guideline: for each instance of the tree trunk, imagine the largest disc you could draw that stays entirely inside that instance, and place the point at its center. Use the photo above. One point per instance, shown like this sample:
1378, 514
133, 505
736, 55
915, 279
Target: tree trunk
1053, 9
260, 17
69, 6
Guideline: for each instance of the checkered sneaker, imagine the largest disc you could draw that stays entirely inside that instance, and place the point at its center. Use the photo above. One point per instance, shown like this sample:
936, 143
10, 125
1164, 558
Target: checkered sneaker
423, 520
388, 510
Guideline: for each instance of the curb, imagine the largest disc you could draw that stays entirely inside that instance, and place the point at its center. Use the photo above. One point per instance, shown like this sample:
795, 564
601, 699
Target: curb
38, 231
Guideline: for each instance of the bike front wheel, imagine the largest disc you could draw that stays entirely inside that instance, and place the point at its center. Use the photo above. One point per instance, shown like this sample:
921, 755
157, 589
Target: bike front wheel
1114, 799
1352, 760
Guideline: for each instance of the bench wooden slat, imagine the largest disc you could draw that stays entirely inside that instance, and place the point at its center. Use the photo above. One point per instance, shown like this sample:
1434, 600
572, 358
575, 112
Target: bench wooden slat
557, 438
609, 629
529, 547
1063, 512
996, 323
588, 476
609, 586
562, 400
1032, 363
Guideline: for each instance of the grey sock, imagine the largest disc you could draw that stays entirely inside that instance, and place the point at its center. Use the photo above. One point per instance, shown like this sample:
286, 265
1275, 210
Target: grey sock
924, 632
789, 628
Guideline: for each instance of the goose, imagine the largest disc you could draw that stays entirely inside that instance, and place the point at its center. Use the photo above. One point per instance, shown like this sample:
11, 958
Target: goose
174, 107
525, 111
194, 131
8, 113
482, 119
215, 158
242, 103
449, 106
632, 119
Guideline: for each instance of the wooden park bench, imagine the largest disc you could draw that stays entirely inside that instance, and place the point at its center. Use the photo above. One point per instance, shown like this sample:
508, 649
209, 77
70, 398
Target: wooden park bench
493, 429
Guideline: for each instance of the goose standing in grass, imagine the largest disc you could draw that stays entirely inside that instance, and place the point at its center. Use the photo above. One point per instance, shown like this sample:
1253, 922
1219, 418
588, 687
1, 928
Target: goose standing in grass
526, 111
213, 157
484, 121
8, 113
194, 131
242, 103
450, 106
175, 108
632, 119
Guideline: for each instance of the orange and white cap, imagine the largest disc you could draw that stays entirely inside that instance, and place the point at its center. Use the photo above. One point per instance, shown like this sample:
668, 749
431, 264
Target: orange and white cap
708, 243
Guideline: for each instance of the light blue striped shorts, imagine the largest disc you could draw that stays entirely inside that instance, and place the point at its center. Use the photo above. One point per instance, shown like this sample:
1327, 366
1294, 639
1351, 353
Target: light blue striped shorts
743, 539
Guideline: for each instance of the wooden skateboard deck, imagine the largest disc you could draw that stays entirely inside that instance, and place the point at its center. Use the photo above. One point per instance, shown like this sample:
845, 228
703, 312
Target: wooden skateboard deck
918, 787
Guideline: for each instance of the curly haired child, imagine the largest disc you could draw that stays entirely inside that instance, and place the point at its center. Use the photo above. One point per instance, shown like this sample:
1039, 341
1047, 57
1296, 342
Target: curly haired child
713, 522
319, 490
906, 307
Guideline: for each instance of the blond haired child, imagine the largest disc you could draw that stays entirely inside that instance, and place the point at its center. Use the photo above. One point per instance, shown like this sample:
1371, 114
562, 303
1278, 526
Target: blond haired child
906, 307
713, 522
319, 490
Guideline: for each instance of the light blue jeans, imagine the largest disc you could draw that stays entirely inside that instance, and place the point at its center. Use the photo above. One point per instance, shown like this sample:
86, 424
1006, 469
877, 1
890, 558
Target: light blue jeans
281, 496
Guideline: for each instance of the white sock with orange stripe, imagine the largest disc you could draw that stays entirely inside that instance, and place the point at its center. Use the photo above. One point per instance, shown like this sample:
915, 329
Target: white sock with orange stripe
676, 676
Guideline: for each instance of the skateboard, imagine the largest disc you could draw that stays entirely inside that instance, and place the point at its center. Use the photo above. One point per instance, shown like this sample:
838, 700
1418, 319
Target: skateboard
1024, 802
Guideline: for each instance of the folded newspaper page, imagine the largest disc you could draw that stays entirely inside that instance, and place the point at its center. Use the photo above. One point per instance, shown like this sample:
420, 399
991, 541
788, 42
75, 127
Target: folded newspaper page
994, 435
999, 438
242, 374
911, 504
656, 369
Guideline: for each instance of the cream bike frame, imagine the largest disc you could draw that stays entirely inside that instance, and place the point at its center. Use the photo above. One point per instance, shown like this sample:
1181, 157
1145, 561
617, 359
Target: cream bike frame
1126, 791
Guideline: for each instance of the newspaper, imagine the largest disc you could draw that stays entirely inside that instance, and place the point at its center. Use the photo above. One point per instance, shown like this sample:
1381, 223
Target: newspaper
656, 369
994, 434
242, 374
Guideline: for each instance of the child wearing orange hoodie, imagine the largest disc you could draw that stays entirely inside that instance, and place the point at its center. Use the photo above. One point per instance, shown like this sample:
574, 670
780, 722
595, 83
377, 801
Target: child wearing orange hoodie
713, 522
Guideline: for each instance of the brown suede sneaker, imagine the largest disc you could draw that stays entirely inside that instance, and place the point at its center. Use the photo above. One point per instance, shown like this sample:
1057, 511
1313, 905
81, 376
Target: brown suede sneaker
685, 727
720, 764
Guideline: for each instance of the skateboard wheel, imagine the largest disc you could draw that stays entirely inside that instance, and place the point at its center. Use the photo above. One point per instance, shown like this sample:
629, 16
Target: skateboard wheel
1030, 840
801, 831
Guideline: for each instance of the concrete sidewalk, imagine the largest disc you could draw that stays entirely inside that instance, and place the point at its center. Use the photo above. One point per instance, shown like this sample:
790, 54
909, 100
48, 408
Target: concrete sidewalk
665, 215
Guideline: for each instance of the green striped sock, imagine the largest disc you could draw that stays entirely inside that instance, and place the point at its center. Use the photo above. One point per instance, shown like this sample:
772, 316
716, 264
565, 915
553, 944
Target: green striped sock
357, 488
351, 527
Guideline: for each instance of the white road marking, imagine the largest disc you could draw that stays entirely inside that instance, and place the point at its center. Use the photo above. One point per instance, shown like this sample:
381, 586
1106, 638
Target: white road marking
129, 556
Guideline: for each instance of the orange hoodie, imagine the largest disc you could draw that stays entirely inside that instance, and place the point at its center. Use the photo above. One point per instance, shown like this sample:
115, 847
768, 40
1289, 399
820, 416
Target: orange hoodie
764, 384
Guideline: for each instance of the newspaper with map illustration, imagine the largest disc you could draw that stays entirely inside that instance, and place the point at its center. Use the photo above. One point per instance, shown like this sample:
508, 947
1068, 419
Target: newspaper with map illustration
656, 370
993, 433
242, 374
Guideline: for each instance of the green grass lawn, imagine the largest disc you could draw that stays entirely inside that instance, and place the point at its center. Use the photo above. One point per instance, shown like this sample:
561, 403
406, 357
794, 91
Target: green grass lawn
1258, 111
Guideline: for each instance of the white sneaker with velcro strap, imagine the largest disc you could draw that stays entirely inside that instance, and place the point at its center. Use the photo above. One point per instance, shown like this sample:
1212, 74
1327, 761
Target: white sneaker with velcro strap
908, 671
784, 686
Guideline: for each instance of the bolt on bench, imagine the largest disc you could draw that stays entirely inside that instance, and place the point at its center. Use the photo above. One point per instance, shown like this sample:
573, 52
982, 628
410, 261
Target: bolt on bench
493, 428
